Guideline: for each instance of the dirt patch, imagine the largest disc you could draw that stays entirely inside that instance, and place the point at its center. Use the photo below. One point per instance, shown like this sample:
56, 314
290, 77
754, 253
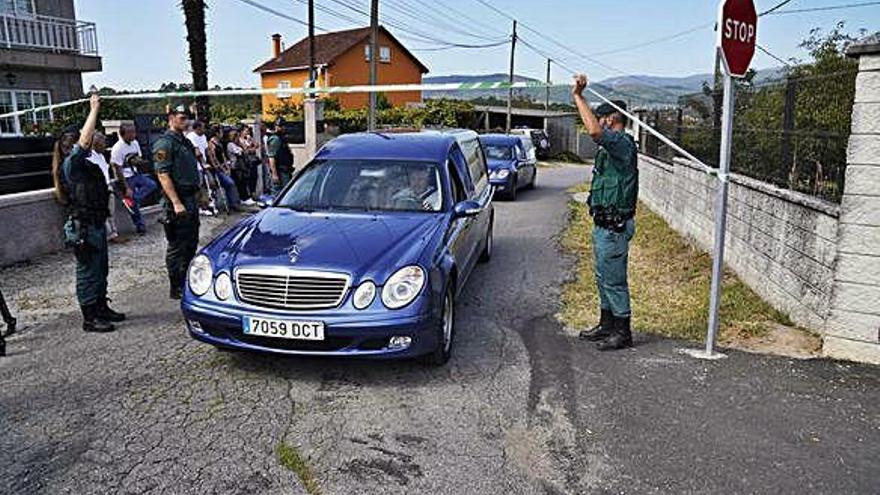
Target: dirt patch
669, 283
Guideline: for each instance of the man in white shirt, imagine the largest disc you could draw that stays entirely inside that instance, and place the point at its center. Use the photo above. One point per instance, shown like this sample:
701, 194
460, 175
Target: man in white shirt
200, 142
125, 156
99, 144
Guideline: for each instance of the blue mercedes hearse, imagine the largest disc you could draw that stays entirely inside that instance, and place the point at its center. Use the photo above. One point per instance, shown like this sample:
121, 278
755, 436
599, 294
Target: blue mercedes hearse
362, 254
510, 166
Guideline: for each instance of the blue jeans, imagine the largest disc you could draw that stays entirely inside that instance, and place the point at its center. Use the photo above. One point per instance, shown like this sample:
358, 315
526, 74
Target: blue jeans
228, 186
142, 186
610, 259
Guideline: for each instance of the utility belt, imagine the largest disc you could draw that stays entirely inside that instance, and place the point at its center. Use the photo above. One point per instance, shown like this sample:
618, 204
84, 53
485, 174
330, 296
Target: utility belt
610, 218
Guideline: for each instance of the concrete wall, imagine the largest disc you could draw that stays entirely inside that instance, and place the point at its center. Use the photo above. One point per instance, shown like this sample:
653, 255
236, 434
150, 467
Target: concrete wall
781, 243
853, 330
31, 222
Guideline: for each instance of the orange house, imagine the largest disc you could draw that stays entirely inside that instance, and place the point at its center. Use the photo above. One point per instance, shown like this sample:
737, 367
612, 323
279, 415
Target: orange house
341, 59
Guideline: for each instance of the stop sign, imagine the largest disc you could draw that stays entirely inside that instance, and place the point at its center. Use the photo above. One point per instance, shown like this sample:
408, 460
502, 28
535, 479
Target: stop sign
737, 35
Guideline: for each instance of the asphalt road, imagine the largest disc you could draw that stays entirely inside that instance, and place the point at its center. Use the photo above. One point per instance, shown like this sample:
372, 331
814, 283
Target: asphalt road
523, 407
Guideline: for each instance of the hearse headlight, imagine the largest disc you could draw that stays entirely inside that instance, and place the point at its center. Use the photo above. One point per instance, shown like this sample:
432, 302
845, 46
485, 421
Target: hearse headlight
364, 295
402, 287
200, 275
500, 174
223, 286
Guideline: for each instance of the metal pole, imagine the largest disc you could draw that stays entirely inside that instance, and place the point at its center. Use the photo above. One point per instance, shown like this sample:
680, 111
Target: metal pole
312, 45
374, 54
547, 93
510, 77
720, 213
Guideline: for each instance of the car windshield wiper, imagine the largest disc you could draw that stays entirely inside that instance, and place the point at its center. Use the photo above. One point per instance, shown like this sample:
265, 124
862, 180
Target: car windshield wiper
303, 209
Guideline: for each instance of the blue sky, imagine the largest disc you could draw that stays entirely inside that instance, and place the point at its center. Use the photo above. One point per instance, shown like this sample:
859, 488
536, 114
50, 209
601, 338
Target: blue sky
143, 42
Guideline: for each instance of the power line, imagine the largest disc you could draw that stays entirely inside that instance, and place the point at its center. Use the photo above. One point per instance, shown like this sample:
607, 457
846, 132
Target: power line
825, 8
262, 7
430, 15
403, 27
774, 57
774, 8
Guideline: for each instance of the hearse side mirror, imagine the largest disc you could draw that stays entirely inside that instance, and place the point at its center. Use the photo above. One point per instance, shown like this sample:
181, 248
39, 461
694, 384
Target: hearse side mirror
467, 208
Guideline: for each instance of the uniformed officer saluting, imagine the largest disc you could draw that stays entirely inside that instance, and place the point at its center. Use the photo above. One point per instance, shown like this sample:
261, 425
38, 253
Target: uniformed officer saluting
612, 204
88, 199
175, 160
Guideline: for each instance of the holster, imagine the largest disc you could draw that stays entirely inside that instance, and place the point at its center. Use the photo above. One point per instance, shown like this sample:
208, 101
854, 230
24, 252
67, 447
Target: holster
610, 218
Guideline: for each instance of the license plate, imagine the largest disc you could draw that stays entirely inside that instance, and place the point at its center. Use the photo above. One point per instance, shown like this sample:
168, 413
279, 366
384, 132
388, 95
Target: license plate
283, 329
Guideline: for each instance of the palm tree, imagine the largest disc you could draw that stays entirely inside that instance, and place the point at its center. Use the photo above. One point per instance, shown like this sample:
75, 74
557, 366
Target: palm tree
194, 13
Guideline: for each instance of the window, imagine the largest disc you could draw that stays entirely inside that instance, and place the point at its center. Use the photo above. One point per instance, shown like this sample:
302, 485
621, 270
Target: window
19, 8
366, 185
476, 164
14, 101
458, 194
384, 53
283, 85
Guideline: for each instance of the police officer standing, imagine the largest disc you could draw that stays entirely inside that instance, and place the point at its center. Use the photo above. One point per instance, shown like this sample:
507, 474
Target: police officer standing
280, 157
176, 165
88, 199
612, 203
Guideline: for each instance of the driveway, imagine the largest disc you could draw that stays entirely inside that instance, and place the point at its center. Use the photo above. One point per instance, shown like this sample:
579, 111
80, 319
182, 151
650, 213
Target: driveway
521, 408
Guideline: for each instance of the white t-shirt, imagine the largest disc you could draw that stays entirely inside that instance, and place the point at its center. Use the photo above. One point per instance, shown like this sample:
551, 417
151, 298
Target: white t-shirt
98, 159
120, 152
201, 144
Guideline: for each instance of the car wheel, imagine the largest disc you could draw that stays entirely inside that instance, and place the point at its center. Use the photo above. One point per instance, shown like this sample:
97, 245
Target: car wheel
486, 255
534, 178
445, 331
511, 193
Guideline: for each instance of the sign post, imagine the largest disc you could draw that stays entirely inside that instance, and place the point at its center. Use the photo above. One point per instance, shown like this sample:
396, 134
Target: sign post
737, 37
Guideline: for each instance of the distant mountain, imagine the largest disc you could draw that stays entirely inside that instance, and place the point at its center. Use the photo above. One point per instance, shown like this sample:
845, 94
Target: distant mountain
558, 94
637, 90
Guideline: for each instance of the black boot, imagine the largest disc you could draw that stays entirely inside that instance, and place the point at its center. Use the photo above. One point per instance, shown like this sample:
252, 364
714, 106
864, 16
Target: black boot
176, 291
91, 321
600, 331
620, 338
105, 313
2, 346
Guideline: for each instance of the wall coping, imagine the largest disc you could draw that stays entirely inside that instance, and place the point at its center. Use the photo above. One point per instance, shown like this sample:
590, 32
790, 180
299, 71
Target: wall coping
23, 198
801, 199
865, 46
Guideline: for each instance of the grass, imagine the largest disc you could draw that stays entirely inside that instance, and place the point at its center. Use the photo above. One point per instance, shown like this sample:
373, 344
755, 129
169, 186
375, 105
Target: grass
669, 284
290, 458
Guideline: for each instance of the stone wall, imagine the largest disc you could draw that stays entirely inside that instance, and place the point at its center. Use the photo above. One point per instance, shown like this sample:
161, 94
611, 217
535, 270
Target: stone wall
780, 243
853, 330
30, 224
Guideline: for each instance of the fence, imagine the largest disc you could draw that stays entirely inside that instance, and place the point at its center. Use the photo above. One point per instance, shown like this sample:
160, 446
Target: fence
791, 133
48, 33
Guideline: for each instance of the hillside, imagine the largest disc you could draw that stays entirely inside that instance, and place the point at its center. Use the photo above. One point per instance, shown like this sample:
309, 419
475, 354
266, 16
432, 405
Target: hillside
637, 90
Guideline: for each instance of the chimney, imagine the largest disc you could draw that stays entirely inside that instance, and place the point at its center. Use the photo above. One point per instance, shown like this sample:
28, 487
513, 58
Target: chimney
276, 45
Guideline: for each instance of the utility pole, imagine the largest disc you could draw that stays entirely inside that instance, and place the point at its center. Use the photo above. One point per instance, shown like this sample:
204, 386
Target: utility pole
312, 75
510, 78
547, 94
374, 54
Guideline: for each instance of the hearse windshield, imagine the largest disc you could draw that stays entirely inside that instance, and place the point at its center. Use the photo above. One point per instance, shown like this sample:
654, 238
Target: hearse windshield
366, 185
498, 152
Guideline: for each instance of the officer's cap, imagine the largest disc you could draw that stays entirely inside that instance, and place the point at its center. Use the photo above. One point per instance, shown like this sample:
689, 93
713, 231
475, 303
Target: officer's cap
280, 122
179, 109
606, 109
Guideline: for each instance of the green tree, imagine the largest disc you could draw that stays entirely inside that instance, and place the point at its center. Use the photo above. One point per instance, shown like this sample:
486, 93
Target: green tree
194, 16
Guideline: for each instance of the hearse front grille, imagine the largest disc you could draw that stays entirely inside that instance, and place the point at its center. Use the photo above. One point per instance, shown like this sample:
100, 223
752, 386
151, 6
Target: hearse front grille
286, 288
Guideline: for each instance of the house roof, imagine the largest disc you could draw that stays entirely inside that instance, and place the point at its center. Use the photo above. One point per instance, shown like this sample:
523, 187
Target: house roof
328, 47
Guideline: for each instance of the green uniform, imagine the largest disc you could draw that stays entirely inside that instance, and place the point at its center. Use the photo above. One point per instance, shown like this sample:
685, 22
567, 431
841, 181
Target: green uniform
613, 198
277, 148
88, 195
175, 155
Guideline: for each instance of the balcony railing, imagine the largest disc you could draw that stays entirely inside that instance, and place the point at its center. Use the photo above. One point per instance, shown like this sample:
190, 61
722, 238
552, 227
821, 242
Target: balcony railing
49, 33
